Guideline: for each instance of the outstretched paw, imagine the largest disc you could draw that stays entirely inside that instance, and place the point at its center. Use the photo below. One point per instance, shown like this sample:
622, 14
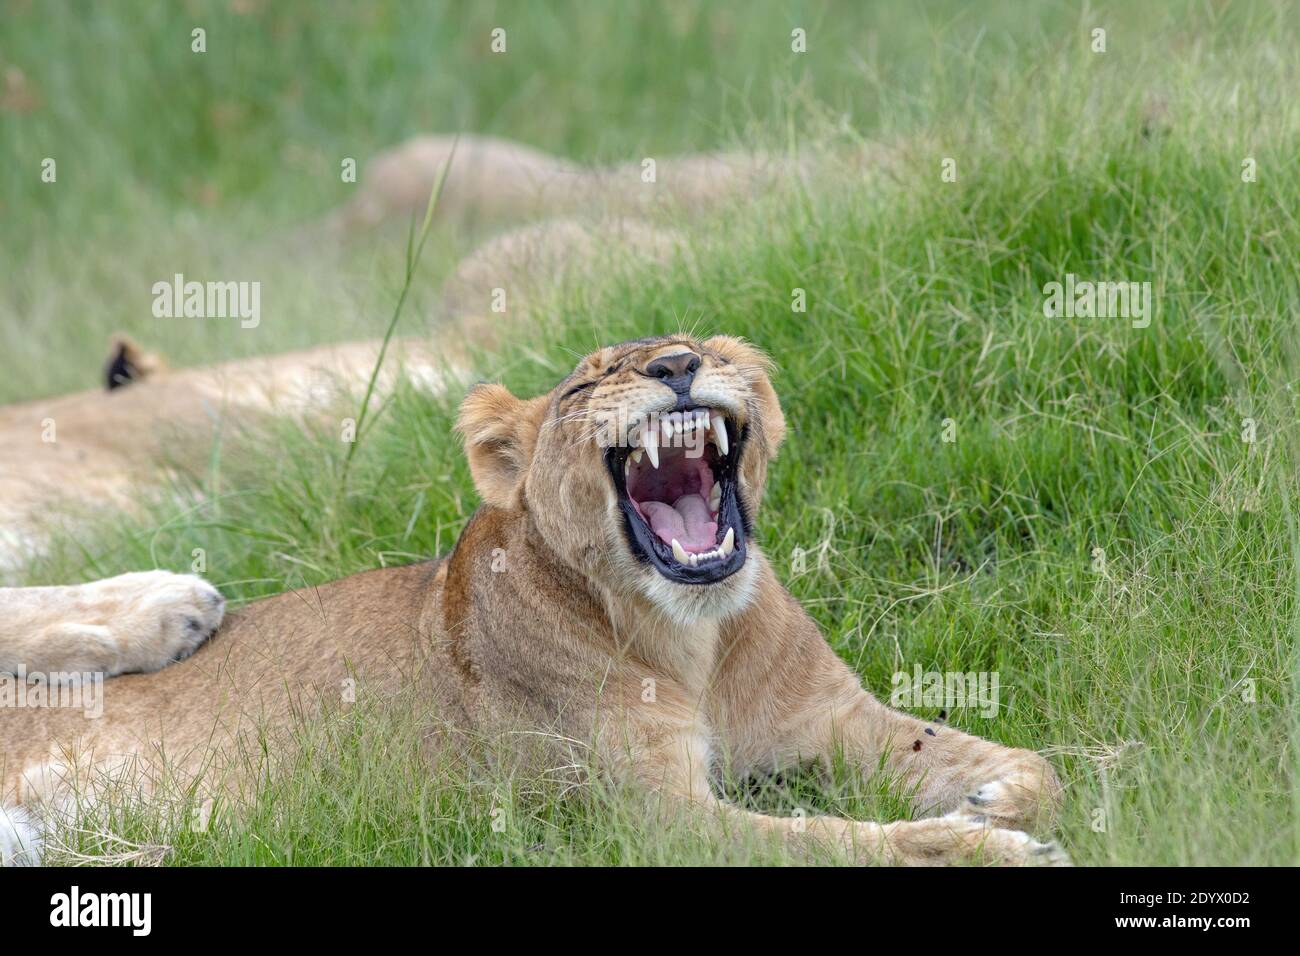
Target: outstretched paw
1002, 847
955, 840
165, 618
1016, 848
1019, 800
1049, 854
137, 622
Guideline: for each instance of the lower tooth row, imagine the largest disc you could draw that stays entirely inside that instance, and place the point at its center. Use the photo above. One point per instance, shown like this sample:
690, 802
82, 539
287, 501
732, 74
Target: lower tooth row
721, 551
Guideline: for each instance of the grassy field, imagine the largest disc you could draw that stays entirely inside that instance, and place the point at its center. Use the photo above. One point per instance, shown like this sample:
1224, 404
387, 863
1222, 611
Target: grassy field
1100, 513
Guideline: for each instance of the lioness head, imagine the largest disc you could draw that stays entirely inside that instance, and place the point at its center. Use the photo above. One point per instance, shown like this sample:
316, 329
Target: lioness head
644, 469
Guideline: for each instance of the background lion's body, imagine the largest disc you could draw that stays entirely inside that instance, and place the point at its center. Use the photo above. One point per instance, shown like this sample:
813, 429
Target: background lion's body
97, 450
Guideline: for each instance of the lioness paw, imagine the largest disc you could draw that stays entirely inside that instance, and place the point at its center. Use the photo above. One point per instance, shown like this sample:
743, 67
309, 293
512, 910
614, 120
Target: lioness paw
1021, 799
167, 619
956, 840
994, 798
979, 843
1016, 848
137, 622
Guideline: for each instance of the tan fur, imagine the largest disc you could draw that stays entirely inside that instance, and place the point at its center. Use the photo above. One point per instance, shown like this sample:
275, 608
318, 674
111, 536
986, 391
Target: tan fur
491, 181
542, 622
136, 622
530, 259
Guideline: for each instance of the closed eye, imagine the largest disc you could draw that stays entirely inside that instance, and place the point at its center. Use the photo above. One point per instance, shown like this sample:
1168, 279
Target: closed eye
576, 389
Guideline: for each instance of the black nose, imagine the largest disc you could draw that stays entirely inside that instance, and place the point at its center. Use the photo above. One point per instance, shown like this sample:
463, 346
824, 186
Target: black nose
676, 371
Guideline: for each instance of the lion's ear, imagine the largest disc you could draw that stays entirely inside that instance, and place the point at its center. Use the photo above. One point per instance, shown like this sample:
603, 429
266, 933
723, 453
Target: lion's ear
500, 433
756, 367
128, 363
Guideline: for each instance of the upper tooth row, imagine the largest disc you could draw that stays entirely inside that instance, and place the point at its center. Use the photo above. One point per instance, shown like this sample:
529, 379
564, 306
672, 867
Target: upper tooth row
679, 423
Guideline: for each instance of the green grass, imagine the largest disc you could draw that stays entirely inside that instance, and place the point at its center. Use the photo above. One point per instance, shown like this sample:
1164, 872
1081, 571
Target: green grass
1164, 683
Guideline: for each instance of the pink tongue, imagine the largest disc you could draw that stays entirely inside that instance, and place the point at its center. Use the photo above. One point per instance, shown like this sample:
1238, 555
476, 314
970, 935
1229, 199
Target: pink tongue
688, 521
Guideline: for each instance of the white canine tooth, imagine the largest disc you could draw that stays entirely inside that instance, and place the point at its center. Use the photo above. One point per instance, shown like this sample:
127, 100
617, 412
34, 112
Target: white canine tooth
637, 456
679, 552
652, 450
720, 433
715, 497
728, 543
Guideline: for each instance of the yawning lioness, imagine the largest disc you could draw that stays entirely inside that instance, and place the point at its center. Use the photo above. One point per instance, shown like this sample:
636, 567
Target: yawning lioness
614, 551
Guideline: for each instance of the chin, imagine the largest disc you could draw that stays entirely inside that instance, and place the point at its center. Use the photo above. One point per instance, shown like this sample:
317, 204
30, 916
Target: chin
686, 604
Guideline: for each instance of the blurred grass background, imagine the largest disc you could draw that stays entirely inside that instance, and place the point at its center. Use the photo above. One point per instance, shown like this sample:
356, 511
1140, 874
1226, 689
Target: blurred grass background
1164, 684
171, 161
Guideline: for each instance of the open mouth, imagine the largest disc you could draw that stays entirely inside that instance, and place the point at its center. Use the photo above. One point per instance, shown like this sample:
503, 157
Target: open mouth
676, 483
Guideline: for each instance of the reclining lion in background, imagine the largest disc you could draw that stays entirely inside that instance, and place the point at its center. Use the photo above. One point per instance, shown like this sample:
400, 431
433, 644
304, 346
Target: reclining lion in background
78, 453
492, 181
74, 454
614, 551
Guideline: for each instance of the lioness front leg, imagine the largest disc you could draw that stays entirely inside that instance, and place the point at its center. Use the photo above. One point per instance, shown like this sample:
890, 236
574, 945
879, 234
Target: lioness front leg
941, 841
948, 771
945, 771
133, 622
670, 755
810, 706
